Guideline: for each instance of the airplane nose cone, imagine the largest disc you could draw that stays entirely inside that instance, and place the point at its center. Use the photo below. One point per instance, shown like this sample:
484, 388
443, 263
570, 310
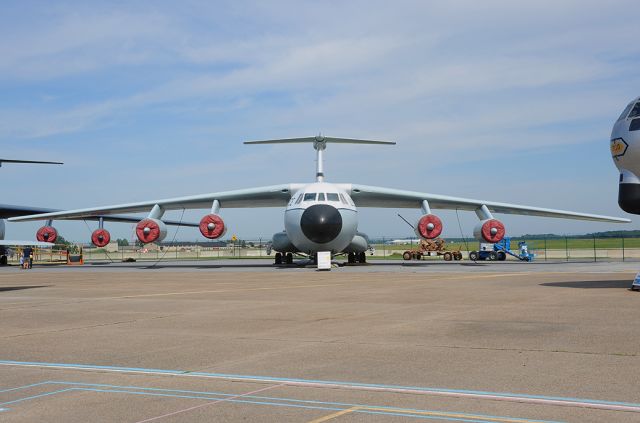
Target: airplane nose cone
321, 223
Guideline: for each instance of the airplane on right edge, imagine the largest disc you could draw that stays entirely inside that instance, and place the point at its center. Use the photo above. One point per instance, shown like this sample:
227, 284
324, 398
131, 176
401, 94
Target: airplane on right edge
320, 216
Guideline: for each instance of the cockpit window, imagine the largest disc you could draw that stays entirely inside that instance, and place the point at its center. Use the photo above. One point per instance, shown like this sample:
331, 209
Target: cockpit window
310, 196
626, 111
636, 111
321, 196
332, 196
299, 200
343, 200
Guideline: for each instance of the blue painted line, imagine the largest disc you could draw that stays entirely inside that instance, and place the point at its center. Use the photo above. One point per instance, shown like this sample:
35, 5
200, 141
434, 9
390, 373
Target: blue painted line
36, 396
470, 419
24, 387
293, 400
325, 382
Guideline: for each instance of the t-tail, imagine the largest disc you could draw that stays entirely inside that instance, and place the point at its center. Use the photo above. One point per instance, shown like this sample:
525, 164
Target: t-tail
319, 144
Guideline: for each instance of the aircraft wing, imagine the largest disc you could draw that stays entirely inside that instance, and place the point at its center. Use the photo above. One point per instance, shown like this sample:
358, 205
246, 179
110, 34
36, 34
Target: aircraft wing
270, 196
8, 211
14, 243
370, 196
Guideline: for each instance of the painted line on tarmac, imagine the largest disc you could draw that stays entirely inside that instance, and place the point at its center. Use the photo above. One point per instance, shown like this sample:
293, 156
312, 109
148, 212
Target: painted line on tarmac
487, 395
336, 408
208, 403
334, 415
221, 291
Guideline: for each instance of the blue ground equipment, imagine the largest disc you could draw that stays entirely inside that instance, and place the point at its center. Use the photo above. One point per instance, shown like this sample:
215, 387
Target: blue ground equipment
499, 251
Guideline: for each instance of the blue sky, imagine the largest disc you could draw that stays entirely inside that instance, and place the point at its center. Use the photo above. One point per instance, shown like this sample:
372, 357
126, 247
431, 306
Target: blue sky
508, 101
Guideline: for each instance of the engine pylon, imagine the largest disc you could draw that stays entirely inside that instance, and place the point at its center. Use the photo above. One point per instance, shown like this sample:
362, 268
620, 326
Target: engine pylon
212, 226
100, 237
429, 226
47, 234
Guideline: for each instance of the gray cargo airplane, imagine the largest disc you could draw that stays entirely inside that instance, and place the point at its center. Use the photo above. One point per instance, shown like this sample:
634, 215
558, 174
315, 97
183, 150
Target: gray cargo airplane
320, 216
47, 235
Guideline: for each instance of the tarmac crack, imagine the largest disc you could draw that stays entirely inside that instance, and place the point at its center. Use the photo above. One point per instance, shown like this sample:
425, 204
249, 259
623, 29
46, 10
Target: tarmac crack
85, 327
460, 347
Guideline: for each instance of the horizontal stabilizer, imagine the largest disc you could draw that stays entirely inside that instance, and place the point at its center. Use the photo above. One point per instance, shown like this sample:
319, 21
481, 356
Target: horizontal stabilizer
320, 139
26, 161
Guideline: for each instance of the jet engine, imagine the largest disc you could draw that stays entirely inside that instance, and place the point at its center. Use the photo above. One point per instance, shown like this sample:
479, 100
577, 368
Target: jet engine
100, 237
212, 226
282, 244
489, 230
151, 230
429, 226
47, 234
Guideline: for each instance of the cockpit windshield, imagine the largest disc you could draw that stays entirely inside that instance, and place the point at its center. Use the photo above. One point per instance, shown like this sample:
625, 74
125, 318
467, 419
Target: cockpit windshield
309, 196
626, 111
635, 112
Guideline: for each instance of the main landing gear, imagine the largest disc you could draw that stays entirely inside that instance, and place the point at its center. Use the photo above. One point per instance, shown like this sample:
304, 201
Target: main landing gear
284, 258
356, 258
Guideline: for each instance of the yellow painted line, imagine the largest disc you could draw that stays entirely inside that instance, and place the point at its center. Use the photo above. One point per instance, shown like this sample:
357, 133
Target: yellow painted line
225, 290
334, 415
449, 415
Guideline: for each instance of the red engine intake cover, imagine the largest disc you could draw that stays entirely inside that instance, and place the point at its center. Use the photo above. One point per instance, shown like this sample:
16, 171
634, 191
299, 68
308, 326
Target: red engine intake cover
47, 234
429, 226
212, 226
100, 237
498, 232
152, 234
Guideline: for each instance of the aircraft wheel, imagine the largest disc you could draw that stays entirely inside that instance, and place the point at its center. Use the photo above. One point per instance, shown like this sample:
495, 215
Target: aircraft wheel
473, 256
502, 256
493, 256
406, 255
362, 257
278, 258
447, 256
3, 261
289, 258
351, 258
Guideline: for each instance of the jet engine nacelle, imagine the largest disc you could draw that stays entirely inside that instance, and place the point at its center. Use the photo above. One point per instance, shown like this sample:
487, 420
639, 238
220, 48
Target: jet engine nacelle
625, 151
100, 237
212, 226
47, 234
429, 226
151, 230
282, 244
489, 230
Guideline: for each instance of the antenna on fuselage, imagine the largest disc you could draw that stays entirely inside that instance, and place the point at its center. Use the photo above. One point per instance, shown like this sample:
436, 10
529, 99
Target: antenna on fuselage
320, 144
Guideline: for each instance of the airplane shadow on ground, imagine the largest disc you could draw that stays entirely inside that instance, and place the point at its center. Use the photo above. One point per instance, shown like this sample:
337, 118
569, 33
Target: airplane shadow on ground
18, 288
624, 283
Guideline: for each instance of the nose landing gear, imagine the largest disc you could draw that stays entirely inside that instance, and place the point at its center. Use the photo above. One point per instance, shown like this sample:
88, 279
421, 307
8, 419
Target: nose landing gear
356, 258
283, 258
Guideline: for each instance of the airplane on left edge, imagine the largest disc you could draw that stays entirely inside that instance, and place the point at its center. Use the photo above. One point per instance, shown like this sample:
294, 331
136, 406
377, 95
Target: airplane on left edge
47, 234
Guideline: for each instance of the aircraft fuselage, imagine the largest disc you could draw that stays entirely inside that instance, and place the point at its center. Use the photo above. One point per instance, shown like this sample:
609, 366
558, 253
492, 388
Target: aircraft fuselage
321, 217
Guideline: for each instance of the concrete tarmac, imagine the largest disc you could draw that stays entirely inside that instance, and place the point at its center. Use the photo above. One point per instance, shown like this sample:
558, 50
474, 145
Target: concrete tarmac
191, 342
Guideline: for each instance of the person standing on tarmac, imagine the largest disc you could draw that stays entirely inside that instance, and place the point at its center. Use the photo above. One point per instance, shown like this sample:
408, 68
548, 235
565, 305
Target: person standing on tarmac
25, 257
30, 257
